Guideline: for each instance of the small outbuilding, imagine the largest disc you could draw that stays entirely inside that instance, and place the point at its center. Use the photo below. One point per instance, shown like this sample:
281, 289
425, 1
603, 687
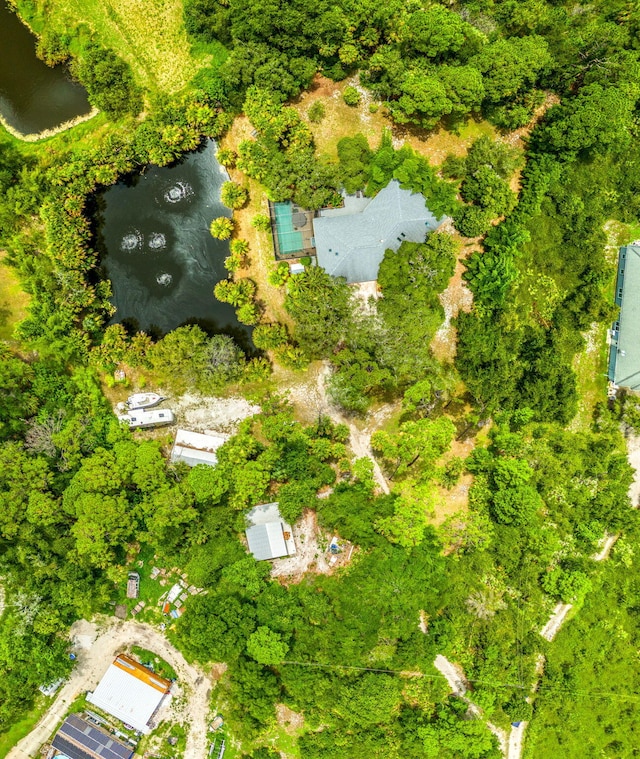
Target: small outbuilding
79, 739
131, 693
268, 535
193, 448
133, 585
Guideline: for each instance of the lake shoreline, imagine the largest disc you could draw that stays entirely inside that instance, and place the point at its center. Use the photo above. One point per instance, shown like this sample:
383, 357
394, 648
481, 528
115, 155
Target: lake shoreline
46, 133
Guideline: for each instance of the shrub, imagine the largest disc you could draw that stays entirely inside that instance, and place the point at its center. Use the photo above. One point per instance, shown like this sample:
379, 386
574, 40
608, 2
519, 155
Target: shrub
351, 96
268, 336
262, 222
233, 195
279, 276
109, 81
227, 157
317, 112
221, 228
472, 221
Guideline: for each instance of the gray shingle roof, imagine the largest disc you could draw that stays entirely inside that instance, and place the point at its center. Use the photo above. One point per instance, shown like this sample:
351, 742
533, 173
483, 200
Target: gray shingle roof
353, 245
624, 356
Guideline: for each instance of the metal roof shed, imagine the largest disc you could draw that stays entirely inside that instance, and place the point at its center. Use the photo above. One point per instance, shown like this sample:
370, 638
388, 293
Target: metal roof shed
268, 535
130, 692
194, 448
624, 354
79, 739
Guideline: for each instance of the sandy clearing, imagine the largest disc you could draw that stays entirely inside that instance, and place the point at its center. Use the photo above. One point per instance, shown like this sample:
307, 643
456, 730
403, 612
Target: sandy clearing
311, 555
633, 456
558, 616
210, 414
606, 544
95, 645
310, 400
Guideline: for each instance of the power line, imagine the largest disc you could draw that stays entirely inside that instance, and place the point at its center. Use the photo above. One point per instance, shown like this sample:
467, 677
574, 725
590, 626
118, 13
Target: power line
542, 688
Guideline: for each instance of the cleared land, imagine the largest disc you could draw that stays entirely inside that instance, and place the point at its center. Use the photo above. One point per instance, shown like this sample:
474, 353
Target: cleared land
148, 34
13, 300
95, 648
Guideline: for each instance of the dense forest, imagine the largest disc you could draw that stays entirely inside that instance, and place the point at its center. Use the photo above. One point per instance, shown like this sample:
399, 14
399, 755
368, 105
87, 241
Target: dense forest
537, 203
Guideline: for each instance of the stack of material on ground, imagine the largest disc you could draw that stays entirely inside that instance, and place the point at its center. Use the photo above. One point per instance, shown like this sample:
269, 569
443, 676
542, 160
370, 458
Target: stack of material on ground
138, 608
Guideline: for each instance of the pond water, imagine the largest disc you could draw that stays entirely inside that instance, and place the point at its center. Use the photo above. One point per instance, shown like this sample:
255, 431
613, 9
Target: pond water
33, 97
155, 245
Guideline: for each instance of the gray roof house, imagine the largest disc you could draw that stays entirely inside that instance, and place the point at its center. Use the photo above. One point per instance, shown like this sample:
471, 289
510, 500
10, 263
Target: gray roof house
351, 241
268, 536
624, 352
79, 739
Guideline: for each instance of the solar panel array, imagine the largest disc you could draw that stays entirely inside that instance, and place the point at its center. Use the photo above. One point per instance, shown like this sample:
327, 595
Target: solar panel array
78, 739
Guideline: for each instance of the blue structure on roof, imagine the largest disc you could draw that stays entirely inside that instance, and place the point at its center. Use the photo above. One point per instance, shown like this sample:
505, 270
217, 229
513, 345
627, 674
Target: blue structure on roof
351, 241
79, 739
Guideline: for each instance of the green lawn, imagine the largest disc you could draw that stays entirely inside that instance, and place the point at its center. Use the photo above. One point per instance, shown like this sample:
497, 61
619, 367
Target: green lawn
13, 300
23, 727
159, 666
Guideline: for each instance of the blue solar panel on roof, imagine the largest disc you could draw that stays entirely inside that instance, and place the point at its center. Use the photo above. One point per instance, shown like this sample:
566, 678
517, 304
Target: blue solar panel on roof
88, 741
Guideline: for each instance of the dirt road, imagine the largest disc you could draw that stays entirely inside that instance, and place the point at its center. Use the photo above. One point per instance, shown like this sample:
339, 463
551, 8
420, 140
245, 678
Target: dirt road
95, 646
455, 677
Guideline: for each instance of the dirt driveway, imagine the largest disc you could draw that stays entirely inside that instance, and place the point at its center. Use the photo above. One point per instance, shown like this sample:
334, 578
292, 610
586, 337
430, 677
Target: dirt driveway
96, 646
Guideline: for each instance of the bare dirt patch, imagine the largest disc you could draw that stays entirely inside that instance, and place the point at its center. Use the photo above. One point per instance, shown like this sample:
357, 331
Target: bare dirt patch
455, 298
309, 397
211, 414
312, 552
290, 721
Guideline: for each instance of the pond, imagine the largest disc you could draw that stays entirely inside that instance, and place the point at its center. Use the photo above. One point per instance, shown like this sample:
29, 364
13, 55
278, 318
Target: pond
33, 97
155, 246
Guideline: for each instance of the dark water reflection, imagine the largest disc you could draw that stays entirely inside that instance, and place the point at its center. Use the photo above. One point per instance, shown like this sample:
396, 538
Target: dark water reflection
33, 97
158, 252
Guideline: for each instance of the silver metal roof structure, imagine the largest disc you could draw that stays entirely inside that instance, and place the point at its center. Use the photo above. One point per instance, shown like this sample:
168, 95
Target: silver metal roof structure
79, 739
194, 448
351, 241
624, 354
130, 692
266, 533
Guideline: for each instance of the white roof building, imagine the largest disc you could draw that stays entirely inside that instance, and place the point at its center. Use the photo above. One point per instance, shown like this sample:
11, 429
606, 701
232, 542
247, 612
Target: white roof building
194, 448
130, 692
268, 535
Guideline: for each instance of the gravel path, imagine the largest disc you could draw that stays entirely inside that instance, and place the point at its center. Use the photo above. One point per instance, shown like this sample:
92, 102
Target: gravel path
455, 677
96, 646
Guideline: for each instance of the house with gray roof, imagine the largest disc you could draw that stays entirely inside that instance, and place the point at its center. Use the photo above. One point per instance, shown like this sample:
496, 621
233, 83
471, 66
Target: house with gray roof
79, 739
351, 241
268, 535
624, 352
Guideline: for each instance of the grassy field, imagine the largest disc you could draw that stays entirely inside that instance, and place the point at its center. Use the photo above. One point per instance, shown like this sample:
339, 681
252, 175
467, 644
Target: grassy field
148, 34
13, 301
24, 726
159, 666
